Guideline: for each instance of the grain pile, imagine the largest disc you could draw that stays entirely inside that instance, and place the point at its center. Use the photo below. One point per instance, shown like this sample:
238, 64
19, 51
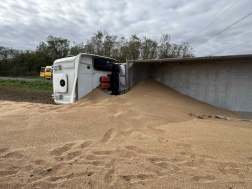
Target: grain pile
151, 137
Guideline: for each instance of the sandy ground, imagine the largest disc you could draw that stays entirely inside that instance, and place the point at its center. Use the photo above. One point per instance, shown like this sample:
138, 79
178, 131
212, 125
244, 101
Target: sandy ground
151, 137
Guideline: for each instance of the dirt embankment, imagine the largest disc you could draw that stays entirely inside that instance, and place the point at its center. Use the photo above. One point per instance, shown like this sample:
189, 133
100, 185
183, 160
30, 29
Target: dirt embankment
151, 137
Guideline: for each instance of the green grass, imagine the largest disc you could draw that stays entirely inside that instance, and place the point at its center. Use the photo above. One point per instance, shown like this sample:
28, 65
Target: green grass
39, 85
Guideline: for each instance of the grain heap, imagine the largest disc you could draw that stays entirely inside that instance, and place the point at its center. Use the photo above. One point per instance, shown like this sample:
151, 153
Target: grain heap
151, 137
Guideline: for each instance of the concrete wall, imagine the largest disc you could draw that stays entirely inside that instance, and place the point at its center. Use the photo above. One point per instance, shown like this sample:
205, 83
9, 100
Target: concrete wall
223, 84
137, 73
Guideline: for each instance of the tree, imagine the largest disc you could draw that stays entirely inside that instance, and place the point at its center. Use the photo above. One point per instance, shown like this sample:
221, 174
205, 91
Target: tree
148, 48
134, 47
58, 47
44, 50
165, 46
97, 43
120, 51
17, 62
5, 55
187, 51
77, 49
109, 43
89, 47
168, 50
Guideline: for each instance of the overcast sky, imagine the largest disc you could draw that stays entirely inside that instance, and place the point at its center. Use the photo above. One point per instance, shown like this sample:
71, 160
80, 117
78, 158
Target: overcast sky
25, 23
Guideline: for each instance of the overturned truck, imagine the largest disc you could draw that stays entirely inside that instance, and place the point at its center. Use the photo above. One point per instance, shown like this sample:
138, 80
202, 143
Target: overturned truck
222, 81
74, 77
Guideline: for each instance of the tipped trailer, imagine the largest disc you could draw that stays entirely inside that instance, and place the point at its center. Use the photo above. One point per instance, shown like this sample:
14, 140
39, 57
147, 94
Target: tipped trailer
75, 77
222, 81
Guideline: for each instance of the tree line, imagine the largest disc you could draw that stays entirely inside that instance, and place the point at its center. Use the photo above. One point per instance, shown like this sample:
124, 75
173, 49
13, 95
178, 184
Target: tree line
28, 63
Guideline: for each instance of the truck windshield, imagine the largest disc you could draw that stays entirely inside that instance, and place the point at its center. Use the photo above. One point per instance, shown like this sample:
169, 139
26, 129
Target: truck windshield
42, 69
48, 69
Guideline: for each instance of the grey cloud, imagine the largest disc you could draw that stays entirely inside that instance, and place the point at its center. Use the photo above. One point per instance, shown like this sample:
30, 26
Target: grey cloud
23, 23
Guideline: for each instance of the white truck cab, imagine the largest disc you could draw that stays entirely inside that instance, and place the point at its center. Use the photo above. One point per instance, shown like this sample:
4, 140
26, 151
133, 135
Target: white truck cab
75, 77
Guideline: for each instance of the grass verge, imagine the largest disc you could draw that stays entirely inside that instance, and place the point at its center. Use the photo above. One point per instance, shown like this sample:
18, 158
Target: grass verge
39, 85
26, 77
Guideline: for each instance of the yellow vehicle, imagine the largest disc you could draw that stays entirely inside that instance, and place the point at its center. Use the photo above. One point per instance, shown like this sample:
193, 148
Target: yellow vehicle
42, 72
48, 72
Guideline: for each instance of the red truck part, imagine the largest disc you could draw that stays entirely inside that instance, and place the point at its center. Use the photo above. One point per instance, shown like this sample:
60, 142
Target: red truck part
105, 85
105, 79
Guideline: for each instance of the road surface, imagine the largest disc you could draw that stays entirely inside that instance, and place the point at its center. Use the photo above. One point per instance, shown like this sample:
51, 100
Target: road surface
23, 79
